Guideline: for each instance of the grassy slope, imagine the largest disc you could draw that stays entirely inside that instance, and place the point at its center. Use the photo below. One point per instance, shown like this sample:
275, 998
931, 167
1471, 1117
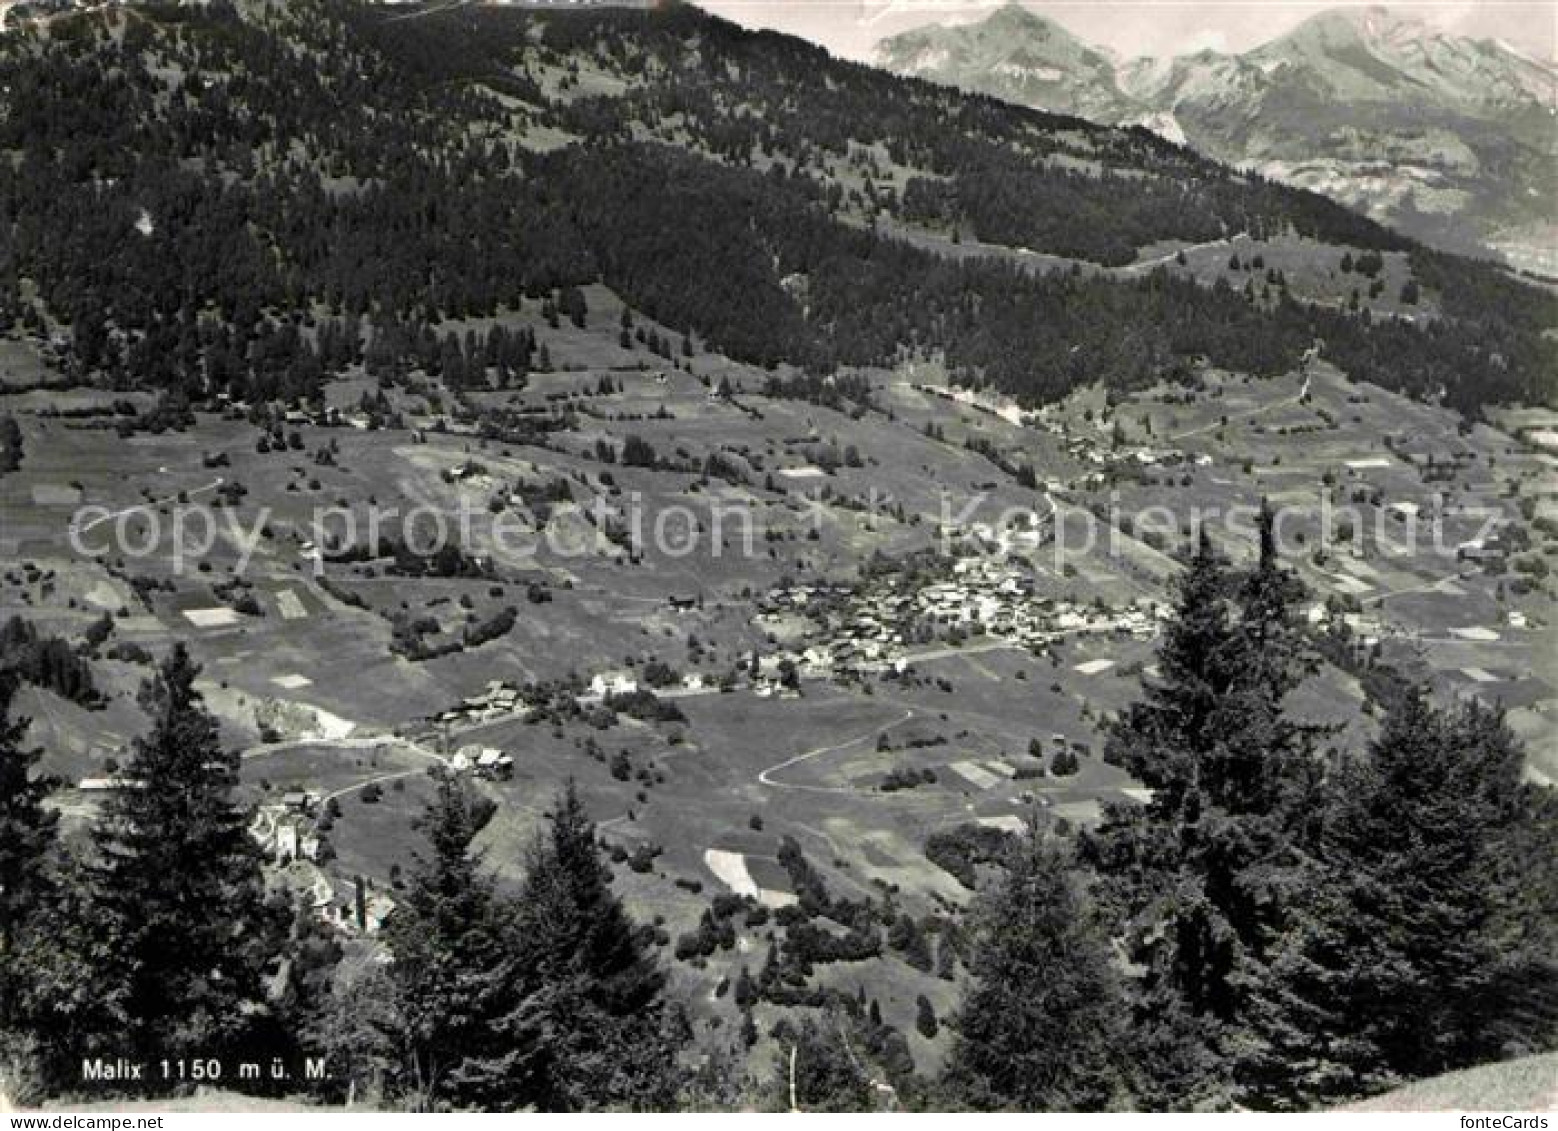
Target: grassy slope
1528, 1084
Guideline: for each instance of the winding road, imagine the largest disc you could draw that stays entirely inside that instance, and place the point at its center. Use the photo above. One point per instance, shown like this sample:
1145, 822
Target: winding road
1261, 410
82, 528
1435, 586
1130, 269
765, 777
416, 748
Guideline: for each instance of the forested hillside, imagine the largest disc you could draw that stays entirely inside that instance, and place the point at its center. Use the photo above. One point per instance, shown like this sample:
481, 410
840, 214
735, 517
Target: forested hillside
249, 198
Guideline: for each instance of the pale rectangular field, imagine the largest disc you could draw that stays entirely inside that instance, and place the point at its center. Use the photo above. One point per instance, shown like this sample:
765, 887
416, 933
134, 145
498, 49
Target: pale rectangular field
218, 617
975, 774
1094, 667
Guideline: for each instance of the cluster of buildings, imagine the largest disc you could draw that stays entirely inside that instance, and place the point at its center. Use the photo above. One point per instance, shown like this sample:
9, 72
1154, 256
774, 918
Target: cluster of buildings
366, 917
874, 629
286, 830
494, 701
981, 593
994, 598
614, 682
1086, 449
484, 761
853, 632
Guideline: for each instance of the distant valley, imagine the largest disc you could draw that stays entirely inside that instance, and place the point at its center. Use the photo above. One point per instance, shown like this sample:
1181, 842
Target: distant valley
1448, 139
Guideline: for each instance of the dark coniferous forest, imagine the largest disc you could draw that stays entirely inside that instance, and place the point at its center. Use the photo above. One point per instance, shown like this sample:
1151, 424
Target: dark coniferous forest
316, 180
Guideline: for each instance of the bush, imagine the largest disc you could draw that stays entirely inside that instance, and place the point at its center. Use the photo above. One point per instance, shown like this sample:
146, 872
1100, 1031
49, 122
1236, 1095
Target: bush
645, 706
925, 1018
959, 851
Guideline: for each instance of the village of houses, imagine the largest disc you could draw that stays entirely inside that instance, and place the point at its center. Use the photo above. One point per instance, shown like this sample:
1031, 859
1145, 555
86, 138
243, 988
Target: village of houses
845, 632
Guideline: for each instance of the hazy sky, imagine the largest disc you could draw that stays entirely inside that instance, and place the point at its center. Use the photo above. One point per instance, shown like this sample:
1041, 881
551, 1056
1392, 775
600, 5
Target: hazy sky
1138, 27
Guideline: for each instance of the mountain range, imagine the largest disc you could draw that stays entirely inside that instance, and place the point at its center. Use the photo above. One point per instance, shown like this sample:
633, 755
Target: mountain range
1447, 138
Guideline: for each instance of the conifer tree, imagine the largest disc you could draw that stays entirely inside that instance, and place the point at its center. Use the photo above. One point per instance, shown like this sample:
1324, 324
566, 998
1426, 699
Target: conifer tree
1196, 878
452, 968
28, 836
1422, 942
594, 1029
1263, 762
27, 833
1171, 922
1160, 738
174, 893
359, 1029
1041, 1027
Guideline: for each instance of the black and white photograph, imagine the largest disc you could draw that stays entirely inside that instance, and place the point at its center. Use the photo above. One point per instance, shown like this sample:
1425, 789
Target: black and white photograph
828, 557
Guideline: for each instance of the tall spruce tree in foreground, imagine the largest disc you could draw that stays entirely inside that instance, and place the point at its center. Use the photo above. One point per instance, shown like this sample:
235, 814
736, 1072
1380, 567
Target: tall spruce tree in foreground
1264, 769
1041, 1027
453, 967
359, 1029
593, 1029
549, 999
1194, 879
174, 896
1170, 925
1162, 737
1423, 941
28, 835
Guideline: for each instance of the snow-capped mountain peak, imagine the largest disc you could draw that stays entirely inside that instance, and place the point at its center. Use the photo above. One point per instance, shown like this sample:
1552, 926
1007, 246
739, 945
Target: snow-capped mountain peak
1016, 54
1449, 137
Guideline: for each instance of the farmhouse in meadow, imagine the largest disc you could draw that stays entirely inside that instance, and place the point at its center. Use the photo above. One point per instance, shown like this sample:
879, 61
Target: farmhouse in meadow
613, 683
